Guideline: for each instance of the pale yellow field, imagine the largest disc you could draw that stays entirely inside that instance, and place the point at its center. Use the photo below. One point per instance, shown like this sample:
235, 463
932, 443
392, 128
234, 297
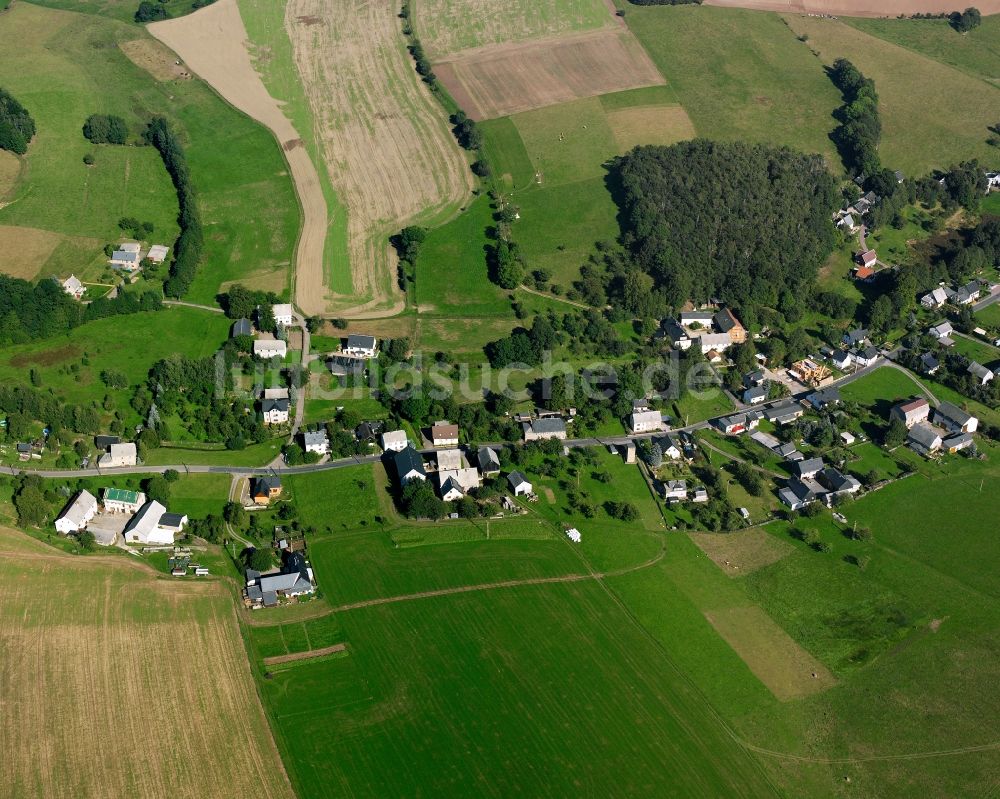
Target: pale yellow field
118, 683
744, 552
657, 124
786, 669
24, 250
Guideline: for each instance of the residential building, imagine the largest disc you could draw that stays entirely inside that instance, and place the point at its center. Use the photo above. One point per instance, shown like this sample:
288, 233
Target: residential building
144, 527
838, 483
929, 364
959, 442
726, 322
73, 287
450, 489
755, 395
699, 494
409, 465
103, 442
954, 419
359, 346
118, 455
969, 293
856, 337
369, 432
345, 366
126, 259
867, 258
519, 484
265, 488
120, 500
842, 359
444, 434
799, 493
465, 477
158, 253
394, 440
784, 413
734, 424
270, 348
645, 421
824, 398
867, 357
77, 513
489, 461
316, 441
923, 439
448, 459
675, 490
911, 412
542, 429
754, 378
274, 411
981, 374
697, 318
670, 446
294, 578
934, 299
283, 314
719, 342
941, 330
671, 329
809, 467
241, 327
173, 522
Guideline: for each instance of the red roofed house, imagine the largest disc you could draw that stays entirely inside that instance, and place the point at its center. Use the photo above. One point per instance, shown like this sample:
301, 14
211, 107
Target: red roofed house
864, 273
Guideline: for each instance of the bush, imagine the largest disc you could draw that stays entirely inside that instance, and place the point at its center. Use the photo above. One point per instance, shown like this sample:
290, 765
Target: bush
150, 12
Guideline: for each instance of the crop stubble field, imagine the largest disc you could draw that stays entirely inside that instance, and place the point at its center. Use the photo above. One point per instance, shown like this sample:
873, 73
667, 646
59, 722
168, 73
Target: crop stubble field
118, 683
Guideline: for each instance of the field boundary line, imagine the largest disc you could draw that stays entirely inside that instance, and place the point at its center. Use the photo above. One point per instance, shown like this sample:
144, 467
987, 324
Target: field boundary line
307, 655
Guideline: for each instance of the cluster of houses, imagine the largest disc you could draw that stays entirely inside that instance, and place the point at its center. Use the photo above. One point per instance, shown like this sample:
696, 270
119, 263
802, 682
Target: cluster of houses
947, 429
266, 346
713, 331
856, 350
293, 578
353, 354
128, 257
450, 470
968, 294
121, 512
813, 480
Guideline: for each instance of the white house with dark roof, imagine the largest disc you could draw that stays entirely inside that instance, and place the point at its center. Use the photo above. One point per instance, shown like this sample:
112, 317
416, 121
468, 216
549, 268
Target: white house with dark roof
519, 484
316, 441
941, 330
981, 374
542, 429
409, 465
77, 514
359, 346
923, 439
274, 411
954, 419
126, 256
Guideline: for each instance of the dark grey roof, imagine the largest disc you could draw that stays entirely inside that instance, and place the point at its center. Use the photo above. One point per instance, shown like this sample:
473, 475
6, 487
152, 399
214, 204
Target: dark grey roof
342, 365
266, 482
171, 520
270, 598
869, 352
358, 341
408, 460
241, 327
450, 484
488, 458
551, 425
952, 413
274, 405
254, 593
836, 480
724, 320
923, 435
755, 391
781, 411
516, 479
929, 362
825, 396
809, 465
24, 447
785, 450
103, 442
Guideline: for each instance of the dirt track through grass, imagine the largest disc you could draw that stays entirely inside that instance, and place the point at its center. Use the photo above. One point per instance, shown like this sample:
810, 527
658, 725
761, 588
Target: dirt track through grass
212, 43
117, 683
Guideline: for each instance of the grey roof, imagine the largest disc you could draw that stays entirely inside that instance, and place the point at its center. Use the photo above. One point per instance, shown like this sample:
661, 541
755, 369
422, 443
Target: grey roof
241, 327
171, 519
358, 341
734, 419
270, 598
516, 479
837, 481
978, 370
724, 320
785, 450
408, 460
274, 405
924, 435
488, 458
550, 425
869, 352
341, 365
451, 484
314, 437
929, 362
783, 410
826, 396
803, 490
952, 413
266, 482
962, 439
103, 442
754, 377
809, 465
254, 593
856, 336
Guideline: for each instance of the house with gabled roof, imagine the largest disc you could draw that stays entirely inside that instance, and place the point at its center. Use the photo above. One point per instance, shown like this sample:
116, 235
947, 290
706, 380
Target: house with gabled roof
542, 429
265, 488
489, 461
954, 419
519, 484
283, 313
316, 441
241, 327
981, 374
394, 440
674, 490
911, 412
360, 346
77, 513
934, 299
923, 439
73, 287
124, 454
409, 465
726, 322
274, 411
645, 421
444, 434
121, 500
144, 527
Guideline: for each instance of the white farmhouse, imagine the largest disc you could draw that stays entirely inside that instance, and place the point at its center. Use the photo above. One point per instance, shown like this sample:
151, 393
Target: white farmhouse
359, 346
73, 287
144, 527
118, 455
81, 510
282, 313
394, 440
645, 421
274, 411
269, 348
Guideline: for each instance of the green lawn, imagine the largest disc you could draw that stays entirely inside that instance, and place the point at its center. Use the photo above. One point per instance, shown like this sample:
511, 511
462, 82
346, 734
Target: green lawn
690, 408
990, 315
976, 52
976, 349
881, 389
198, 495
741, 75
215, 454
336, 499
933, 115
894, 246
866, 457
65, 66
296, 636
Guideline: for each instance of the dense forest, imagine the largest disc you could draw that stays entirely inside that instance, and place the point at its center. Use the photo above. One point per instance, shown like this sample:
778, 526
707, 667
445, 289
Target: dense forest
735, 221
16, 125
860, 129
187, 248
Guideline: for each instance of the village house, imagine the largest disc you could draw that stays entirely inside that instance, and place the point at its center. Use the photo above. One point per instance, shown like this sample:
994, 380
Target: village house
699, 494
489, 461
670, 446
448, 459
294, 578
145, 527
726, 322
345, 366
283, 314
807, 468
981, 374
954, 419
934, 299
672, 329
923, 439
359, 346
409, 465
126, 257
959, 442
274, 411
837, 483
911, 412
118, 455
369, 432
120, 500
241, 327
697, 318
969, 293
449, 489
719, 342
855, 338
867, 258
316, 441
755, 395
519, 484
542, 429
444, 434
394, 440
265, 488
675, 490
158, 253
842, 359
734, 424
929, 364
755, 378
173, 522
784, 413
77, 513
645, 421
73, 287
462, 477
270, 348
799, 493
867, 357
824, 398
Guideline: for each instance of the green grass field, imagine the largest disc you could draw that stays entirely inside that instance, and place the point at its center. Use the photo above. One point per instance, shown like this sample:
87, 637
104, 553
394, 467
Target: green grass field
894, 246
337, 499
65, 66
989, 316
976, 349
746, 78
976, 52
198, 495
215, 454
933, 115
881, 388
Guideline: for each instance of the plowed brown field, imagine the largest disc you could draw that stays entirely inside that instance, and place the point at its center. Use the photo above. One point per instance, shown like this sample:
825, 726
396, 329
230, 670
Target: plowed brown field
114, 683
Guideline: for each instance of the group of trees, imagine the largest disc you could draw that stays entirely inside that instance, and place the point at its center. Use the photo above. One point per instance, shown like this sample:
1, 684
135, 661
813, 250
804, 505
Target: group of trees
188, 247
105, 129
242, 303
150, 12
16, 125
736, 221
407, 244
965, 21
860, 129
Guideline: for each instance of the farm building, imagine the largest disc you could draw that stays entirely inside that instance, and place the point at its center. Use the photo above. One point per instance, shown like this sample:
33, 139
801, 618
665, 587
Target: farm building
923, 439
519, 484
954, 419
409, 465
644, 421
542, 429
726, 322
120, 500
444, 434
489, 461
283, 313
911, 412
144, 527
270, 348
158, 253
241, 327
118, 455
75, 516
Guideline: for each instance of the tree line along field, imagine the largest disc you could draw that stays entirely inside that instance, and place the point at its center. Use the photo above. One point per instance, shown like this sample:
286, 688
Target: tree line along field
126, 683
66, 66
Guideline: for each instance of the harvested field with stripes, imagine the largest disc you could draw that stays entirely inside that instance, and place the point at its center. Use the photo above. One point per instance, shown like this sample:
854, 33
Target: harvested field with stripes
116, 682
